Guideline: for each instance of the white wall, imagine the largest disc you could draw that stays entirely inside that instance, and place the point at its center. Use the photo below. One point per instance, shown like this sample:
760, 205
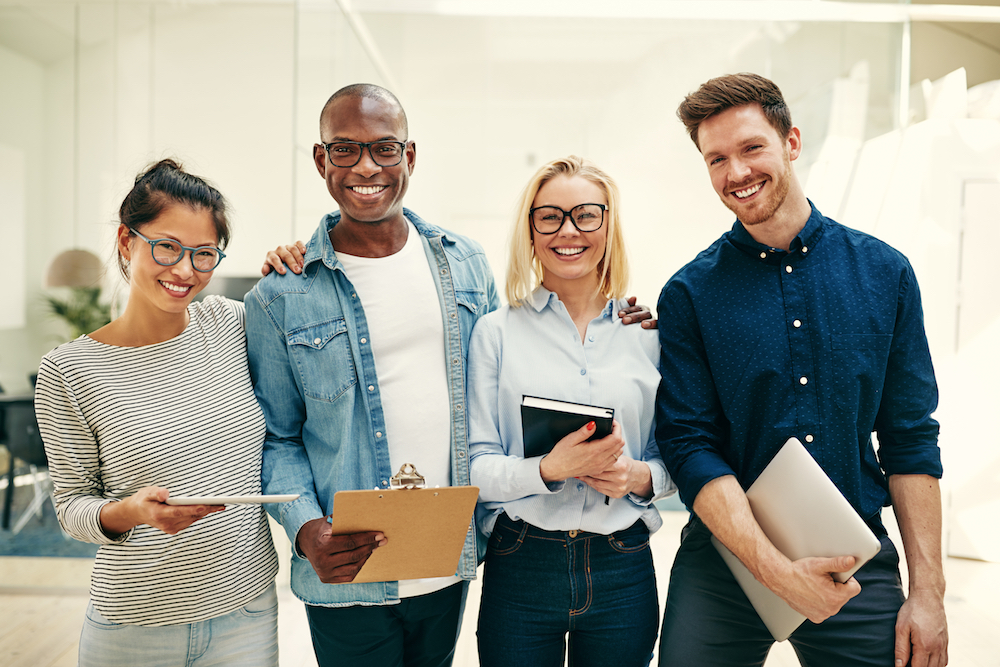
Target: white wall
22, 104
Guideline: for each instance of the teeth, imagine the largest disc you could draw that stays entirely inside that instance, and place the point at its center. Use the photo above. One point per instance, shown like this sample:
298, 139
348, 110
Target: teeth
368, 190
175, 288
743, 194
569, 251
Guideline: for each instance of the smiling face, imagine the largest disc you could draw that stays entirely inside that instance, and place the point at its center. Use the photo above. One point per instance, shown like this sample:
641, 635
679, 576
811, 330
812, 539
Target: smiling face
167, 289
570, 257
748, 162
366, 192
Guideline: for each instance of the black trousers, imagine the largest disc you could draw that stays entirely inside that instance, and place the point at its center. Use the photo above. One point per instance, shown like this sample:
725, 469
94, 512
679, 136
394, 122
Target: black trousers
418, 632
708, 621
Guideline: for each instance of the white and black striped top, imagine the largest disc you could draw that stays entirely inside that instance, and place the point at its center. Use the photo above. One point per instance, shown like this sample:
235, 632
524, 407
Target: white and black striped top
180, 414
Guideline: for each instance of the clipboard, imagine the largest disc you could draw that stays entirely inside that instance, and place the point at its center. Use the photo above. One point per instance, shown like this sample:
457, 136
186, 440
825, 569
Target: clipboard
425, 528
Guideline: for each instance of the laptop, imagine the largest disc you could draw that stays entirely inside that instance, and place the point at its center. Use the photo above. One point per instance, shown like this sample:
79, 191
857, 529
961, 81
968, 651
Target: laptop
804, 514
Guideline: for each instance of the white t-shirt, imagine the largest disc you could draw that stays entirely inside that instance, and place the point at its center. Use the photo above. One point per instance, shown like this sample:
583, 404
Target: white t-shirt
406, 331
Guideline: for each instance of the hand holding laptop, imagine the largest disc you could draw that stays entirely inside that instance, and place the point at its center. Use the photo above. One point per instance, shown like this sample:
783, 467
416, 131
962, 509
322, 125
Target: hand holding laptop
809, 588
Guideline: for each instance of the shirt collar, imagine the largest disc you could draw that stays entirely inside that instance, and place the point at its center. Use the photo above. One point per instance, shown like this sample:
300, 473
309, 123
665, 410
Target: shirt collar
542, 297
321, 248
804, 241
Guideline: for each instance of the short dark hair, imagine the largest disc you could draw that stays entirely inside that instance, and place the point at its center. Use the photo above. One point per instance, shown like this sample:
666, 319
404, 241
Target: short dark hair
735, 90
167, 184
368, 91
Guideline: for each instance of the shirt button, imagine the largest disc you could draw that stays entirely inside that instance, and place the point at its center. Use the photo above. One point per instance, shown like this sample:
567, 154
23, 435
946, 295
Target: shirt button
763, 255
583, 371
797, 323
364, 340
461, 455
453, 316
371, 387
316, 341
803, 380
458, 406
590, 338
455, 360
385, 483
809, 438
805, 249
378, 434
788, 269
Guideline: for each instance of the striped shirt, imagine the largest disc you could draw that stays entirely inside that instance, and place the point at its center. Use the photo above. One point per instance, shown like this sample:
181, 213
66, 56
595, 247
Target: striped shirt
180, 414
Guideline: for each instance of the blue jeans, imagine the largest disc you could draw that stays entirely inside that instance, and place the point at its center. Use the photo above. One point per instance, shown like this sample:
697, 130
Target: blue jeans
539, 585
709, 622
247, 637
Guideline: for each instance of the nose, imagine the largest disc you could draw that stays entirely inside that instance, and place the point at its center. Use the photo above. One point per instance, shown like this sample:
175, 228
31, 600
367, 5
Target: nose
568, 228
366, 166
738, 170
184, 268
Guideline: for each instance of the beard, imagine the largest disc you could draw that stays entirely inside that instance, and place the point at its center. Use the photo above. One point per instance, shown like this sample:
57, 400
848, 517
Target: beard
764, 209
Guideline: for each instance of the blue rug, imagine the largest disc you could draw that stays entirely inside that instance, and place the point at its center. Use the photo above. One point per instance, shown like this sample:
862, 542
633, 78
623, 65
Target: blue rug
40, 536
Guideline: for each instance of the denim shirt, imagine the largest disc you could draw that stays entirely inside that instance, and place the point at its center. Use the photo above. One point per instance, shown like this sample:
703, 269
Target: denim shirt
314, 375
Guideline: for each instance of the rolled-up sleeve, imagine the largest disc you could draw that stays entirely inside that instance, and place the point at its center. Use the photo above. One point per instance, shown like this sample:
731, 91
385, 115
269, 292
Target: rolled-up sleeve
907, 433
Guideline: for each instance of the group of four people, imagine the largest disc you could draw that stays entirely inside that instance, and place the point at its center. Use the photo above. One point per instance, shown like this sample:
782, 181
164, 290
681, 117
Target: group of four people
386, 345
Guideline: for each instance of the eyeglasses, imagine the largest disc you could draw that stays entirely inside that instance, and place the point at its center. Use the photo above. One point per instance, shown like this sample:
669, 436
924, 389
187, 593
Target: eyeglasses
550, 219
167, 252
348, 153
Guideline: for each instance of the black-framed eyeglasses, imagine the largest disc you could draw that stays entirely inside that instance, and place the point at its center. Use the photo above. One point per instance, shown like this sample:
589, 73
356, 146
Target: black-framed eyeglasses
348, 153
167, 252
550, 219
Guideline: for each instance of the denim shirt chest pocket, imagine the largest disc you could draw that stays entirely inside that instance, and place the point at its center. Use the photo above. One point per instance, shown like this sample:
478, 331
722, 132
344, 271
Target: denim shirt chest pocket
472, 304
323, 359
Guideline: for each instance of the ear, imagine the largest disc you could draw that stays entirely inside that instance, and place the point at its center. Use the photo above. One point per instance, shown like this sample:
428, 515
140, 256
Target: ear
125, 242
319, 159
794, 143
411, 155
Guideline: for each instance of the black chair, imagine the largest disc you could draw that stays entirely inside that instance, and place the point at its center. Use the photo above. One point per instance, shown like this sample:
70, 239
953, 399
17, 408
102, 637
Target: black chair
25, 443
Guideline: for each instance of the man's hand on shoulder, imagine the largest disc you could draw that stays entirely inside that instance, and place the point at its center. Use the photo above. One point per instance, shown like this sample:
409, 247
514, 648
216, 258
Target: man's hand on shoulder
633, 314
337, 559
922, 631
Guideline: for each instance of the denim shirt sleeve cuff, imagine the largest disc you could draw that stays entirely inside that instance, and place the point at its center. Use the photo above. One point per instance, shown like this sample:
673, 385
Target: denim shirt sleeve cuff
294, 517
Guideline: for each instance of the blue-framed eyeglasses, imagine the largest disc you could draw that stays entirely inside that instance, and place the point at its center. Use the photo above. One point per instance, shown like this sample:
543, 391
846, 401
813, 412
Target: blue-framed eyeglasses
167, 252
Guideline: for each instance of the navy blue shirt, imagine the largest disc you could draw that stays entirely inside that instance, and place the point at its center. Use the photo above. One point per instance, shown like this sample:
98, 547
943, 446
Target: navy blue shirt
825, 342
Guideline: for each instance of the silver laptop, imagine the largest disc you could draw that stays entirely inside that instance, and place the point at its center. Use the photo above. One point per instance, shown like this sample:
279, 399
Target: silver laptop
803, 514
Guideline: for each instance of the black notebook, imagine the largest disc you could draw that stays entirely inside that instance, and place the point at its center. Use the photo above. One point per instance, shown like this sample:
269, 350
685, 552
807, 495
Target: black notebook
545, 422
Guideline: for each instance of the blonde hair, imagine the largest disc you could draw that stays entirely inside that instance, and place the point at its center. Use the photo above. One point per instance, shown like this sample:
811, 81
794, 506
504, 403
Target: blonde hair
525, 271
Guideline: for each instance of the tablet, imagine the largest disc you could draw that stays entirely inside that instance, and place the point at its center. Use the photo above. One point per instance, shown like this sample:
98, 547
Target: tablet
230, 500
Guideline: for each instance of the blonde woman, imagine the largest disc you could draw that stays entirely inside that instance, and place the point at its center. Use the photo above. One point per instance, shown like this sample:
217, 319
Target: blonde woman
560, 560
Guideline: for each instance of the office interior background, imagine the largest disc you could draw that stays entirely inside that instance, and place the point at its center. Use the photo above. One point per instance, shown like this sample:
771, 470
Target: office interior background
898, 104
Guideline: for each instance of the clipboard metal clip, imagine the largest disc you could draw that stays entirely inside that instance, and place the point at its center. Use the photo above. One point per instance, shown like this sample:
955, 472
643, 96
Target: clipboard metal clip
407, 478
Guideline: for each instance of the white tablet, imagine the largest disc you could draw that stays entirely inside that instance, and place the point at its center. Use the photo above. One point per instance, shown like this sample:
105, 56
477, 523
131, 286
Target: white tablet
230, 500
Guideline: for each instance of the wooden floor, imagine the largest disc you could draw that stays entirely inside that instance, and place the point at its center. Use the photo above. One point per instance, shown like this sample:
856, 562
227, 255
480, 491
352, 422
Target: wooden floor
42, 602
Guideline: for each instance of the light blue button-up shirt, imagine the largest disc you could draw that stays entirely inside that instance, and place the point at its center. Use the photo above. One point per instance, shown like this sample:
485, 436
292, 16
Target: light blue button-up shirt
314, 375
536, 350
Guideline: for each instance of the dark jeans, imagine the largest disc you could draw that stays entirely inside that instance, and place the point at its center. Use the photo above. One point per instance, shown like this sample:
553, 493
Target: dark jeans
540, 585
418, 632
709, 621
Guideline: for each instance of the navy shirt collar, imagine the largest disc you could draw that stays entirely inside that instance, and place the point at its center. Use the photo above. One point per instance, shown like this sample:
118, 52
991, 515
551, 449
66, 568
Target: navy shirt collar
803, 242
